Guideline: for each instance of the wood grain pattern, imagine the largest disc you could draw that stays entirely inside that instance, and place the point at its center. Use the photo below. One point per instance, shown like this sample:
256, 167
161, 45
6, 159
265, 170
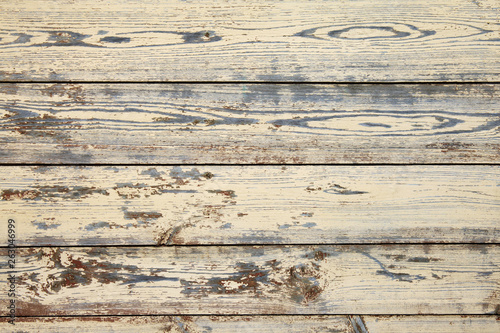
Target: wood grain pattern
146, 205
362, 279
441, 324
265, 40
266, 324
249, 123
162, 238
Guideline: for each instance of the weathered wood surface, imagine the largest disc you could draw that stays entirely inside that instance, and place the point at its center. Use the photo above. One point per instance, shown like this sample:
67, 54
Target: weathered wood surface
441, 324
278, 324
188, 324
264, 40
148, 205
360, 279
218, 113
249, 123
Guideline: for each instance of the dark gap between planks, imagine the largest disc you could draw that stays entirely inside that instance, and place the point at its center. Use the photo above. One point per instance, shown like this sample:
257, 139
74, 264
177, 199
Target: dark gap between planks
267, 315
248, 164
440, 244
262, 82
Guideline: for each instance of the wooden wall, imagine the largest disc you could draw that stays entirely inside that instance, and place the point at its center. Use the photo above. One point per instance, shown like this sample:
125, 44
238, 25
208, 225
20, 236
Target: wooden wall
263, 166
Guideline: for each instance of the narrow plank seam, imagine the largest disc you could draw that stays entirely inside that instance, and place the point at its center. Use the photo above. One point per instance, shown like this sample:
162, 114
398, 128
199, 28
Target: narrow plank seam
251, 244
265, 315
249, 164
263, 82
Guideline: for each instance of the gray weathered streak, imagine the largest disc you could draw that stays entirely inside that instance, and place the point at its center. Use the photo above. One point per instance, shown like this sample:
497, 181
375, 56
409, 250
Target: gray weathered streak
147, 205
263, 40
363, 279
251, 324
249, 123
358, 324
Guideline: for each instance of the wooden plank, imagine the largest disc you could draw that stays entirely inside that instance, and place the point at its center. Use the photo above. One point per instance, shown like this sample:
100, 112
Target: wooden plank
249, 123
441, 324
231, 324
149, 205
195, 324
263, 40
362, 279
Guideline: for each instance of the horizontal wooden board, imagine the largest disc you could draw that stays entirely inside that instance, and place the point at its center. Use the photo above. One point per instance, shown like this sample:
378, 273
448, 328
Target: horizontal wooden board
186, 324
441, 324
267, 324
148, 205
262, 40
249, 123
360, 279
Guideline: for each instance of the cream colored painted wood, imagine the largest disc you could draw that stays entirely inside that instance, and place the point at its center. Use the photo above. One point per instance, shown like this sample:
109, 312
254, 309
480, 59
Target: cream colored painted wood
146, 205
263, 40
360, 279
250, 324
249, 123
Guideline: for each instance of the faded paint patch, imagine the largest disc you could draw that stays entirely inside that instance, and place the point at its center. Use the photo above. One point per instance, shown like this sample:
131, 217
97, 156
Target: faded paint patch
167, 236
179, 174
153, 173
163, 119
446, 147
333, 188
144, 216
182, 324
63, 269
358, 324
45, 226
9, 88
114, 39
303, 283
248, 278
227, 193
39, 126
405, 277
423, 259
97, 225
137, 190
337, 189
65, 38
200, 37
71, 93
50, 192
10, 195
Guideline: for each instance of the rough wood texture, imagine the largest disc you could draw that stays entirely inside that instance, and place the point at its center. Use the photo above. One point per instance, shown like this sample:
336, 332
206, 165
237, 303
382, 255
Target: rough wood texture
441, 324
388, 279
250, 205
213, 248
249, 123
266, 324
263, 40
